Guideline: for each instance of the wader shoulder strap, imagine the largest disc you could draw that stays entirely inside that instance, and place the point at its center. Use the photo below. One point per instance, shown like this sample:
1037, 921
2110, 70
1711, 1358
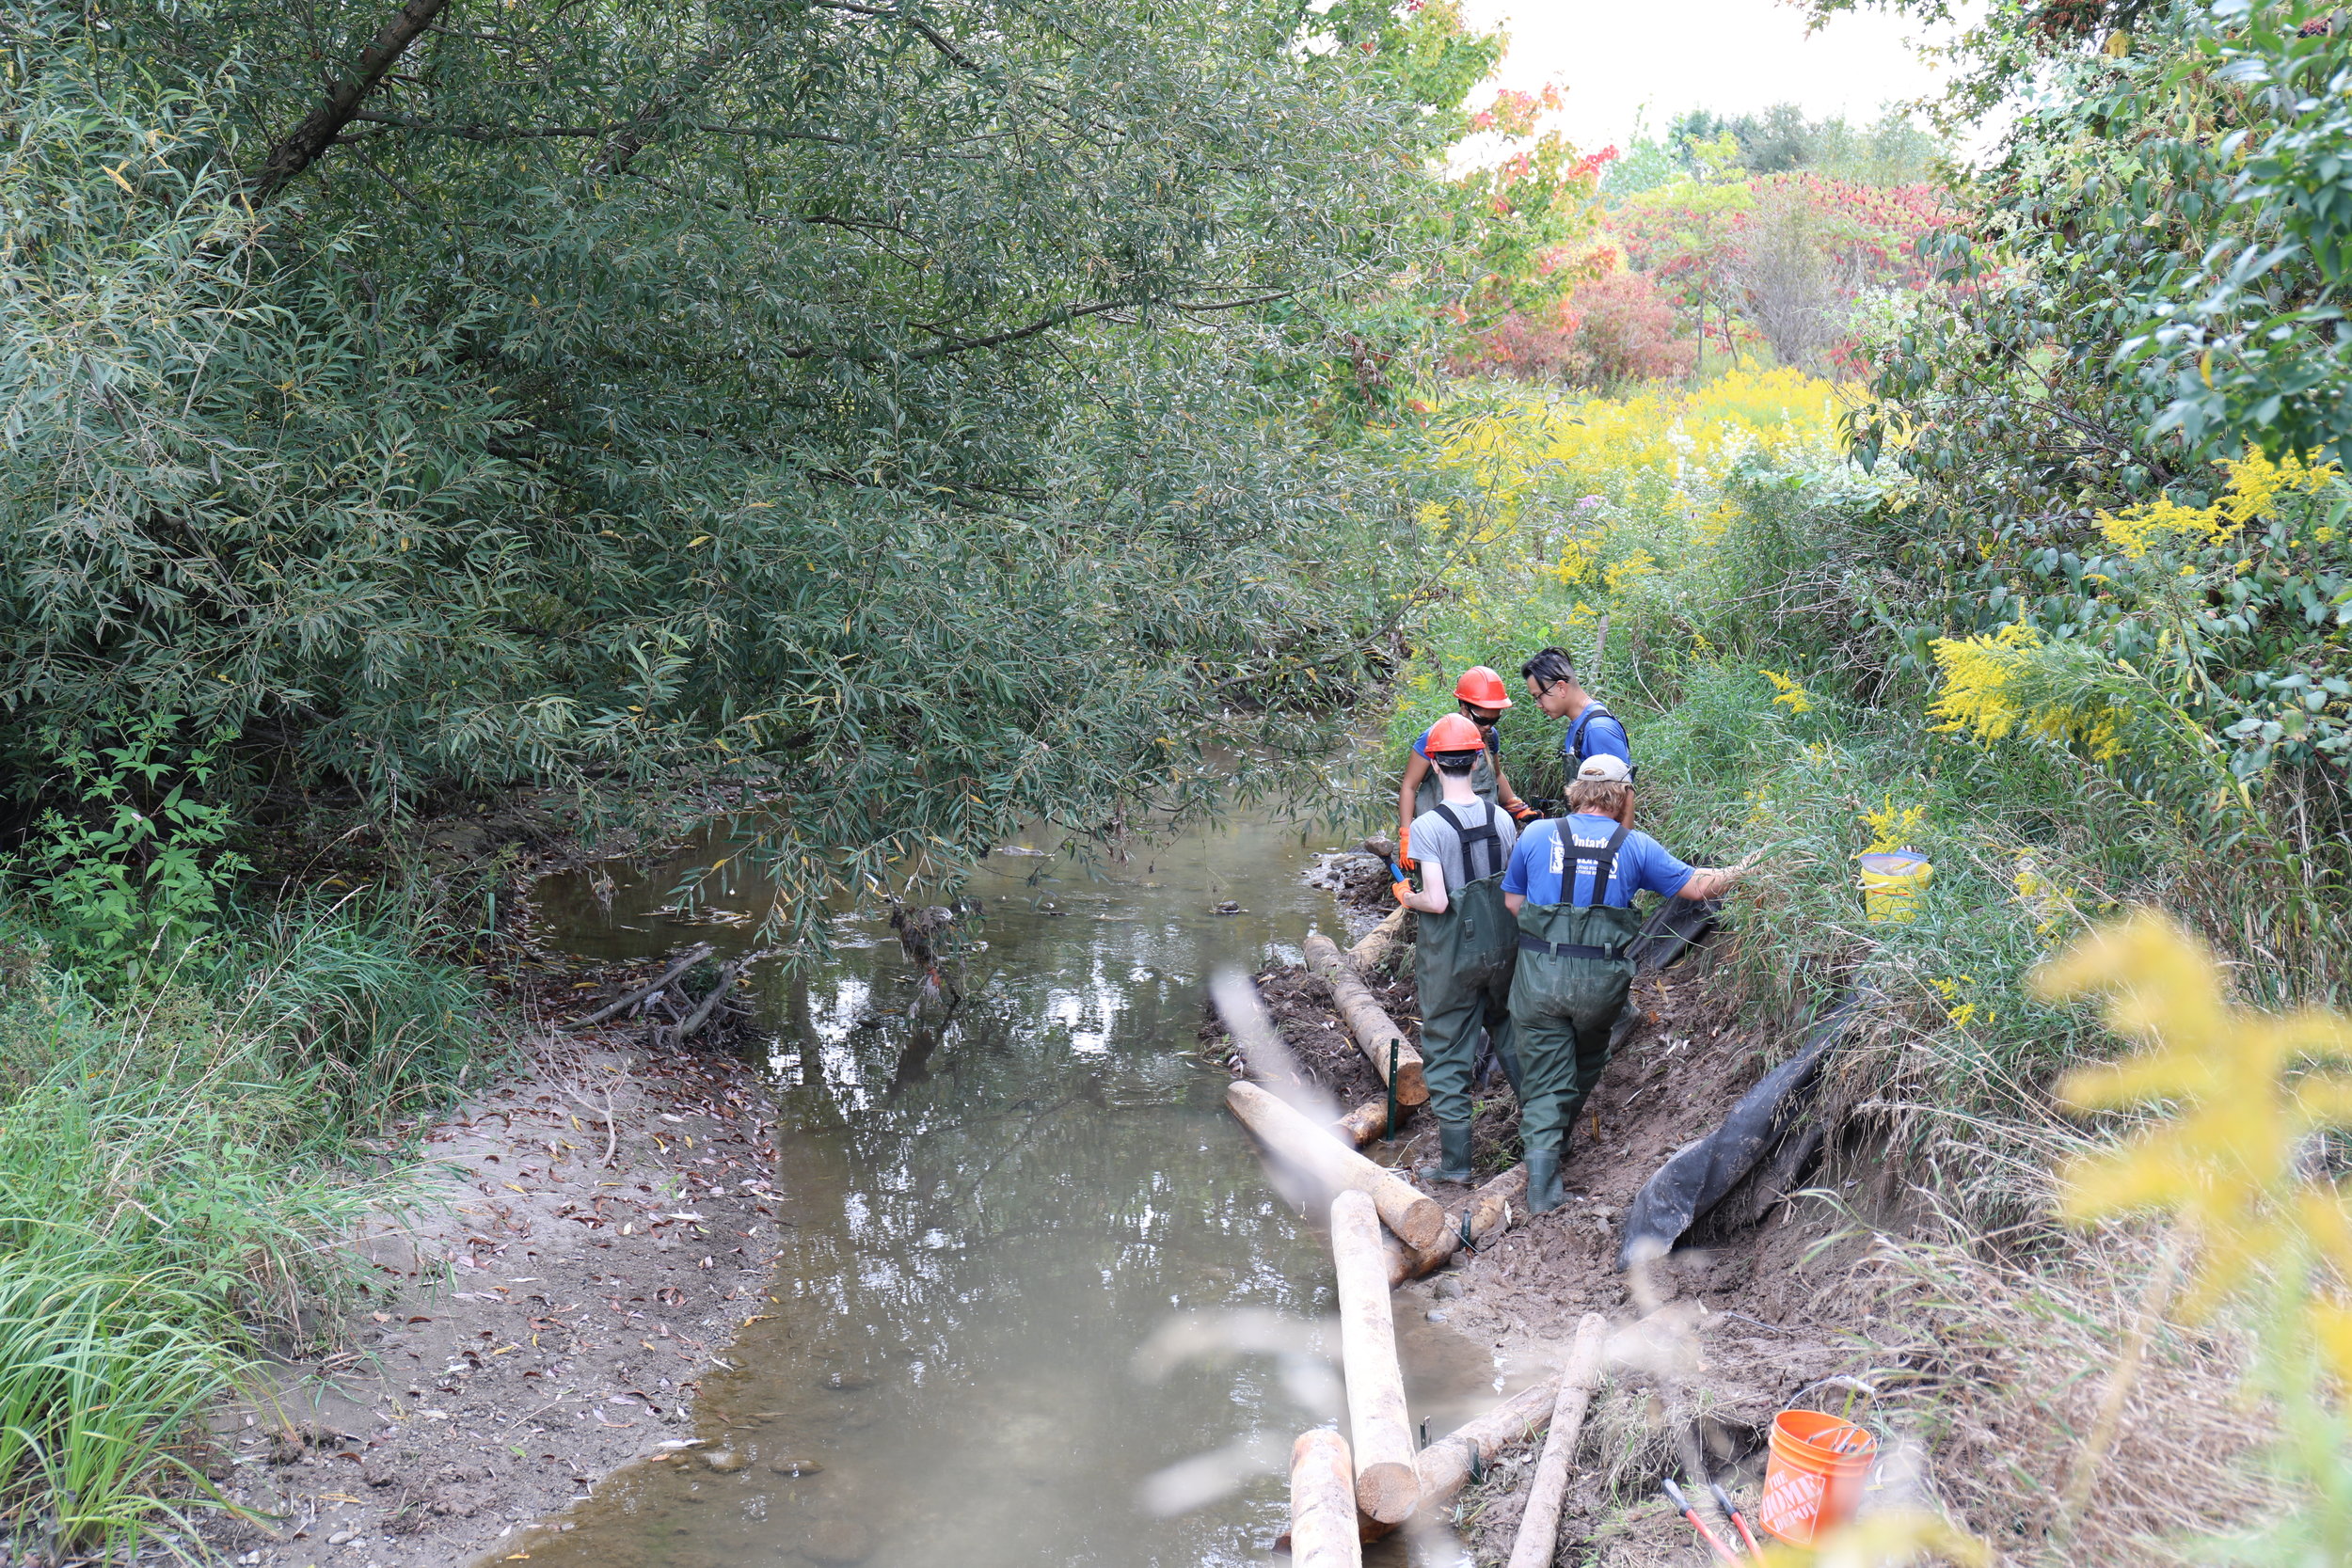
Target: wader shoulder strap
1574, 856
1583, 722
1482, 837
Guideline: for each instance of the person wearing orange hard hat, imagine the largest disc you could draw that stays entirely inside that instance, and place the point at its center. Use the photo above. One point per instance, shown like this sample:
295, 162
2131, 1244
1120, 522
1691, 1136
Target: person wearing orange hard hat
1464, 942
1480, 698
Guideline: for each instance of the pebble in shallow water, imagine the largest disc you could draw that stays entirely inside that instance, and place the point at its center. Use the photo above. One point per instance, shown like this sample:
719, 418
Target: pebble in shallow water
723, 1460
843, 1383
795, 1464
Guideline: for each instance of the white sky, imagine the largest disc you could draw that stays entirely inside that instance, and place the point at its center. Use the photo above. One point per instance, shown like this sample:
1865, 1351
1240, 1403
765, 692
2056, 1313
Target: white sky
1728, 55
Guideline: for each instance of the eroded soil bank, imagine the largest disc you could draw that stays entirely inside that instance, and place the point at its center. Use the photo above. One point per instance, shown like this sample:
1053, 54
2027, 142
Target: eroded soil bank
593, 1233
1738, 1325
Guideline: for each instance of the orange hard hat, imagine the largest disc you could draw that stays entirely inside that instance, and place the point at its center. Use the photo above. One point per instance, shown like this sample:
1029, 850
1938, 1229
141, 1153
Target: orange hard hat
1452, 733
1482, 687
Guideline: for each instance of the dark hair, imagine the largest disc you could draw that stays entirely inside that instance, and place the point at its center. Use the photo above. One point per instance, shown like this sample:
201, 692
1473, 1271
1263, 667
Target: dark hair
1455, 763
1549, 667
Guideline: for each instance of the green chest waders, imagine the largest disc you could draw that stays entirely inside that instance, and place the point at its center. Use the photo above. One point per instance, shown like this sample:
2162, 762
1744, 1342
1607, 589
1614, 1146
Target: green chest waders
1572, 984
1429, 794
1462, 963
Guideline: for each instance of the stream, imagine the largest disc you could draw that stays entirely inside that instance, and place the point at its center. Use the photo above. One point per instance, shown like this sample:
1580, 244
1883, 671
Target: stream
983, 1224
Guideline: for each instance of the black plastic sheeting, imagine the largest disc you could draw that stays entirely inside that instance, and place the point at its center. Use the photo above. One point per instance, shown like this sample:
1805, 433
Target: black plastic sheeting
1762, 1128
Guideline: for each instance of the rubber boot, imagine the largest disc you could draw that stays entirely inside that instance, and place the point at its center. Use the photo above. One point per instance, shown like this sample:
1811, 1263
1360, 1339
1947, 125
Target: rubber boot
1543, 1180
1453, 1154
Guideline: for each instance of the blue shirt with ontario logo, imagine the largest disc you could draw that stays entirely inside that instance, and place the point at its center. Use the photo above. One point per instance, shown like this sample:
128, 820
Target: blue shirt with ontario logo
1642, 863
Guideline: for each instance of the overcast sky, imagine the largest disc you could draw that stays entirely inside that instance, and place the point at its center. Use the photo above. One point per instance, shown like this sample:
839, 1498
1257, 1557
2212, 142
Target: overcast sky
1728, 56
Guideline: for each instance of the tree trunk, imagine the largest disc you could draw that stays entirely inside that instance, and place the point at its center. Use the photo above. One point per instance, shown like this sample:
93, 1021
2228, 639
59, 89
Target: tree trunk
1411, 1213
1387, 1487
1323, 1503
1375, 1030
1539, 1524
301, 147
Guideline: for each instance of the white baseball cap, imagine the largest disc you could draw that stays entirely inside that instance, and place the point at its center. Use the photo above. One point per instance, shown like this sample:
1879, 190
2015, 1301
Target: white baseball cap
1605, 769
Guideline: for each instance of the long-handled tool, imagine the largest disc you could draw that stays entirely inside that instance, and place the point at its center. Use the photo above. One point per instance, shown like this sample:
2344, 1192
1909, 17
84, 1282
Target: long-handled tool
1673, 1494
1738, 1520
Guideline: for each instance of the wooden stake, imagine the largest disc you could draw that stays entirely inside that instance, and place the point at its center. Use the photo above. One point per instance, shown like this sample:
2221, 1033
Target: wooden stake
1373, 1028
1539, 1524
1323, 1503
1411, 1213
1387, 1487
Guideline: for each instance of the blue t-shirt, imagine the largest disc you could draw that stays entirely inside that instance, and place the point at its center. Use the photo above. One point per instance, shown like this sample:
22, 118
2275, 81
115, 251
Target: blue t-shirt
1642, 863
1494, 743
1603, 736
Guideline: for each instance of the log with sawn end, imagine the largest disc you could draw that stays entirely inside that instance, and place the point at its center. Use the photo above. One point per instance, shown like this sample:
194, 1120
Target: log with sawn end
1375, 1030
1410, 1212
1323, 1503
1490, 1209
1388, 1488
1369, 1121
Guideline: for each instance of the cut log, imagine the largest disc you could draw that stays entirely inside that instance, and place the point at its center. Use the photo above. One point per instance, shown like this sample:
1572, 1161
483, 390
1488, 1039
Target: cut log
1411, 1213
1539, 1523
1490, 1209
1375, 1030
1323, 1503
694, 956
1444, 1466
1387, 1487
1370, 1120
1377, 947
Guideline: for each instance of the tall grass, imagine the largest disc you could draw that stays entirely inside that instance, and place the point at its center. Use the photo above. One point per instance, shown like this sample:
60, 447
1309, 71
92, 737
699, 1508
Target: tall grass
173, 1191
1756, 651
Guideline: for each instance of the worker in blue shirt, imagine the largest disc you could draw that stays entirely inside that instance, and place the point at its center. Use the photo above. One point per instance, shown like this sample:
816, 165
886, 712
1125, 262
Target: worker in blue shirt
1570, 883
1593, 730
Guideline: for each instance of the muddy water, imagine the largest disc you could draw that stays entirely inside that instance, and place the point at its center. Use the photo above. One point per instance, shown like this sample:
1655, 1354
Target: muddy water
986, 1217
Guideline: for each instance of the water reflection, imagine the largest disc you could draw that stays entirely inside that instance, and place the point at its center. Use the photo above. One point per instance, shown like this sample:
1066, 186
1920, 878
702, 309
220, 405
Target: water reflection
990, 1207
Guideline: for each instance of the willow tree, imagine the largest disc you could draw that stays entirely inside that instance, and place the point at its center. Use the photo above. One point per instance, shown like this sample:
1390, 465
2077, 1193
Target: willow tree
435, 396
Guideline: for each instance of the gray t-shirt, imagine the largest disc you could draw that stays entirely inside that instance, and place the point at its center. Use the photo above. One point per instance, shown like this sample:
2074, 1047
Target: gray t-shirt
1434, 838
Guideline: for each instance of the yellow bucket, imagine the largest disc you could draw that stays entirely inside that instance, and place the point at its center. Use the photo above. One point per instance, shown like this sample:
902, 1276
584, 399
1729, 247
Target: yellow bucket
1892, 881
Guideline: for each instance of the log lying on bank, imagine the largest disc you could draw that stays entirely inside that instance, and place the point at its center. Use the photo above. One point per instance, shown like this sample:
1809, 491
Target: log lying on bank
1378, 946
1388, 1486
692, 956
1370, 1120
1539, 1524
1411, 1213
1323, 1503
1444, 1466
1490, 1209
1375, 1030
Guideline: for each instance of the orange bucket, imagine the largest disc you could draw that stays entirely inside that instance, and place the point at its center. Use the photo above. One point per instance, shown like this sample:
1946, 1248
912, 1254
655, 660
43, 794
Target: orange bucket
1814, 1477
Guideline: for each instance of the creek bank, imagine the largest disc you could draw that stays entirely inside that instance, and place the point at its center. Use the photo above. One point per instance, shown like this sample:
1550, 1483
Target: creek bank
593, 1230
1737, 1329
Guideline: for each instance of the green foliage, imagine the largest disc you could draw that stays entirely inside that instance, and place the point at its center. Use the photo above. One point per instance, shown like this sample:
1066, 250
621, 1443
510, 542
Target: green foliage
139, 869
166, 1195
898, 402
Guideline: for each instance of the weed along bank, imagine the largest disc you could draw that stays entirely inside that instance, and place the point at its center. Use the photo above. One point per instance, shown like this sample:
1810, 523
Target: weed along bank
940, 783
